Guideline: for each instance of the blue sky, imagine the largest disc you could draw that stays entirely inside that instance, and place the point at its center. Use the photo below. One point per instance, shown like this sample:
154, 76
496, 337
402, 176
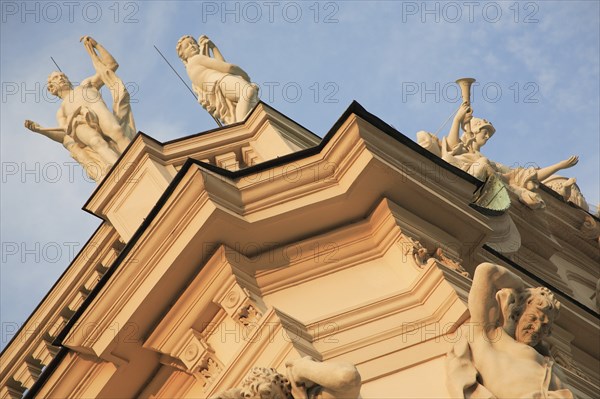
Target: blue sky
536, 63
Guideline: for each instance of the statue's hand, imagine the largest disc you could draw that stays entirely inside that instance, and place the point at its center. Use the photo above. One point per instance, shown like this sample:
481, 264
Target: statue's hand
31, 125
464, 113
87, 40
468, 116
572, 161
205, 41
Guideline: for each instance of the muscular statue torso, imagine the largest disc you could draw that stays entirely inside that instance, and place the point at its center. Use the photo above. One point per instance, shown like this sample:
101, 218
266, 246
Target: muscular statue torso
522, 368
200, 73
83, 95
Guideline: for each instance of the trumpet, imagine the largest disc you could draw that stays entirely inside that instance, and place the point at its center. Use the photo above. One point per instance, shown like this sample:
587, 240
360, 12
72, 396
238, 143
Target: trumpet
465, 90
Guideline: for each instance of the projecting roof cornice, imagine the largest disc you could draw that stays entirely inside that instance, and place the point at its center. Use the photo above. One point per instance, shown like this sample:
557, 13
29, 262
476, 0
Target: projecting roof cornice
143, 173
279, 201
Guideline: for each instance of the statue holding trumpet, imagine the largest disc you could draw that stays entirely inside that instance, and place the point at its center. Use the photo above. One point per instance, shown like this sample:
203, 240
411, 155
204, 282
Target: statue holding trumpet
463, 151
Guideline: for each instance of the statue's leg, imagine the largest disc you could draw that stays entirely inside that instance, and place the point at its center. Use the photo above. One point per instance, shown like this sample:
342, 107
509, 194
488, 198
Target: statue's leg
248, 101
242, 92
93, 168
111, 128
91, 138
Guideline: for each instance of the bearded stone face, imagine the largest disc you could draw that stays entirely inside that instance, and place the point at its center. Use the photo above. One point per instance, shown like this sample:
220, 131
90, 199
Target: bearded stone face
533, 326
57, 81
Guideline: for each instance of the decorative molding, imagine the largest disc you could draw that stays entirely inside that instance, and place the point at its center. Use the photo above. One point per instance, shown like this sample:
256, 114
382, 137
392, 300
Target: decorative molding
449, 261
209, 372
31, 349
227, 161
191, 355
414, 250
239, 305
430, 303
250, 156
249, 316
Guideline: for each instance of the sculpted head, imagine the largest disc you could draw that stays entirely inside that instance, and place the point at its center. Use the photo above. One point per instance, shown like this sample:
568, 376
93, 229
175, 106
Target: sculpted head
57, 81
482, 129
533, 314
261, 383
187, 46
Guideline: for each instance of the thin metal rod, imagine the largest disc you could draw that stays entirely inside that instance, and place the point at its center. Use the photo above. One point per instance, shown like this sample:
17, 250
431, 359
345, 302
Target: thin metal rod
446, 121
186, 85
56, 64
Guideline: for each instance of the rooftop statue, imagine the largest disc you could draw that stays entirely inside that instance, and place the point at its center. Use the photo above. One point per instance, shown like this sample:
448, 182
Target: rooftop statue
306, 379
505, 356
463, 151
568, 189
94, 135
223, 89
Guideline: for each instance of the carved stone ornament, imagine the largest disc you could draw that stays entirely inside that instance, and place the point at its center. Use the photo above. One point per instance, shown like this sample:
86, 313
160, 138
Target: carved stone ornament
416, 251
420, 255
568, 189
450, 263
192, 352
249, 316
509, 324
223, 89
209, 371
463, 151
306, 378
238, 304
94, 135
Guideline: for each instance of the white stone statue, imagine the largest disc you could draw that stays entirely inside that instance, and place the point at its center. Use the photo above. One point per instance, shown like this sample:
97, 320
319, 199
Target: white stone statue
94, 135
223, 89
504, 356
568, 189
306, 379
463, 151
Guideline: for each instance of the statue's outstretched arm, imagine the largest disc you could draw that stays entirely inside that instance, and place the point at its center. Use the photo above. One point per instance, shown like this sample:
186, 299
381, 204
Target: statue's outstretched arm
55, 133
544, 173
218, 62
338, 379
221, 66
487, 281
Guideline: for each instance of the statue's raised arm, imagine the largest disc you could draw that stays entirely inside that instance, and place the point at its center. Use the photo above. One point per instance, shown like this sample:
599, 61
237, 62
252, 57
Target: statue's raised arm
101, 59
223, 89
485, 304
